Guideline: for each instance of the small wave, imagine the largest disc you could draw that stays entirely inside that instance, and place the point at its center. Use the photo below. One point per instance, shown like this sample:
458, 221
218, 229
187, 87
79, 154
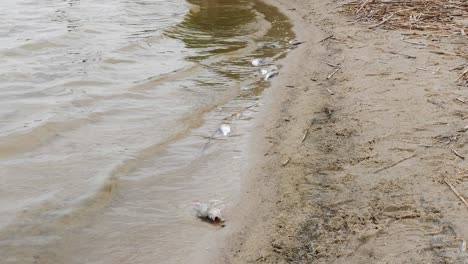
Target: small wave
40, 45
41, 134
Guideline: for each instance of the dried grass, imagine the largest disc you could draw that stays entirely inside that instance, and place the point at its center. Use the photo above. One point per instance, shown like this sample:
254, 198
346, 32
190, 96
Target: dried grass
448, 18
435, 15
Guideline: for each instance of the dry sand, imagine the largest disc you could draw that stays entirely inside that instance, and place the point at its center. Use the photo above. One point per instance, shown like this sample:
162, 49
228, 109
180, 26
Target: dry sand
366, 184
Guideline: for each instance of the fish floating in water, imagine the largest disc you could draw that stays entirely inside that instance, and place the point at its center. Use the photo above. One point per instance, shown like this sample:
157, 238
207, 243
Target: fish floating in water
261, 61
269, 45
295, 42
263, 71
224, 129
209, 211
270, 75
258, 62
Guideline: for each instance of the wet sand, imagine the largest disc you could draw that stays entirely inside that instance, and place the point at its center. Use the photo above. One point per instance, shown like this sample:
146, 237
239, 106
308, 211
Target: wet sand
352, 167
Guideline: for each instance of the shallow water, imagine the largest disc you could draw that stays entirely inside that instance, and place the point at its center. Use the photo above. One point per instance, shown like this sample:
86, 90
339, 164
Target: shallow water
106, 113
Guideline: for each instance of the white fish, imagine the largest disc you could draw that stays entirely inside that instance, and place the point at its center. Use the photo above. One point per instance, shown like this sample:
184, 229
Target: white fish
271, 75
257, 62
295, 42
208, 211
271, 68
269, 45
215, 215
201, 209
225, 129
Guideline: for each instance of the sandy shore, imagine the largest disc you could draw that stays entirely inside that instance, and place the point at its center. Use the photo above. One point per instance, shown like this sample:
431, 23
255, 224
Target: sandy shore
351, 166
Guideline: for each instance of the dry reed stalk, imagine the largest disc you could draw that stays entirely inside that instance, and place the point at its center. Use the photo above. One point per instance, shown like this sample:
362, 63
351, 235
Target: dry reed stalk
421, 15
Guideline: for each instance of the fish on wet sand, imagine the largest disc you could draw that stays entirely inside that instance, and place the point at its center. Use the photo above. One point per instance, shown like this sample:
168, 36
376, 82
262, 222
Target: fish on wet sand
211, 211
295, 42
270, 75
224, 129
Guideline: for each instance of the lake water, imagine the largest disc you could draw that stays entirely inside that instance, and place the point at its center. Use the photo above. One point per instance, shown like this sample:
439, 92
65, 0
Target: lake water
107, 117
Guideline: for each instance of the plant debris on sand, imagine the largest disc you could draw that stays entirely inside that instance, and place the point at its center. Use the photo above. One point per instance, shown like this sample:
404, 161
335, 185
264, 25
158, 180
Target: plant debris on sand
435, 15
433, 18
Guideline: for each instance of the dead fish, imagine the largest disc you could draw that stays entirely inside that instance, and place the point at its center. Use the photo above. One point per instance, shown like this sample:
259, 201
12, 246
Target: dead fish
258, 62
224, 129
215, 215
295, 42
270, 75
201, 209
263, 71
269, 45
208, 211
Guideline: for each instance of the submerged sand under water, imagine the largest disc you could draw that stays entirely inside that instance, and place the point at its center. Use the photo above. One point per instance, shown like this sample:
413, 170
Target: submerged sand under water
106, 109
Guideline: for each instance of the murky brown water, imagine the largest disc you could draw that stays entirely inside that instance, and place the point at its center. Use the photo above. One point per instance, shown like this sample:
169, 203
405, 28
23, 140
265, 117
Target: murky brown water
106, 108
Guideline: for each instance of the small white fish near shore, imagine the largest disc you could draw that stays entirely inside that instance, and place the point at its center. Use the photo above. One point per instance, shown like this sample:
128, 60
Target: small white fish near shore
224, 129
211, 212
258, 62
270, 75
261, 61
271, 68
269, 45
295, 42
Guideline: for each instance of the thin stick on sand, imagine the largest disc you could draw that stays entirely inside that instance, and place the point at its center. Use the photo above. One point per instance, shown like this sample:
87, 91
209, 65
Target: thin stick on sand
435, 103
456, 192
463, 74
395, 163
383, 21
306, 133
457, 154
329, 37
414, 43
333, 73
362, 6
330, 64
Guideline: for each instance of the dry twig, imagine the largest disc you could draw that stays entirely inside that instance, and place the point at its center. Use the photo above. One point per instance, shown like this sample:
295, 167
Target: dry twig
329, 37
395, 163
330, 64
457, 154
414, 43
421, 15
436, 103
463, 74
456, 192
333, 73
383, 21
306, 133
